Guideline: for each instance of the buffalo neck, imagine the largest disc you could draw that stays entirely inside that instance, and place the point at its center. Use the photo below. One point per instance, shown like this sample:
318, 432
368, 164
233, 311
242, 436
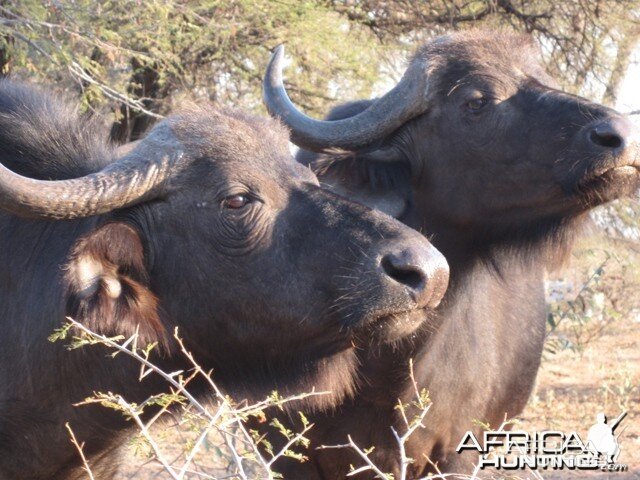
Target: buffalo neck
256, 376
496, 289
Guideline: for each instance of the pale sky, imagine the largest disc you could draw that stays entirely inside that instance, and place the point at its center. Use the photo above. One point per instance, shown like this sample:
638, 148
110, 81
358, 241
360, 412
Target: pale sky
629, 95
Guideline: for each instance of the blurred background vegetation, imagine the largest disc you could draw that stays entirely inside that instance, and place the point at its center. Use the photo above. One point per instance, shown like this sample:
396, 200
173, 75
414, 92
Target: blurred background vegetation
137, 59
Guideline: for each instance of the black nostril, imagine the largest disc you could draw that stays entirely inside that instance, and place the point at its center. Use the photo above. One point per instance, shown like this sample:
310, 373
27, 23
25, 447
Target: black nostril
606, 136
403, 272
418, 270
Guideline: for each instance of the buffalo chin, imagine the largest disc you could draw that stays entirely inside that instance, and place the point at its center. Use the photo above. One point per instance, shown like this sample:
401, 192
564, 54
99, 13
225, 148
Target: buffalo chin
392, 327
609, 185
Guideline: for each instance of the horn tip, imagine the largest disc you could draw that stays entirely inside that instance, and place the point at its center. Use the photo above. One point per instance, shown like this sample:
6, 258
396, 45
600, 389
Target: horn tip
278, 54
273, 76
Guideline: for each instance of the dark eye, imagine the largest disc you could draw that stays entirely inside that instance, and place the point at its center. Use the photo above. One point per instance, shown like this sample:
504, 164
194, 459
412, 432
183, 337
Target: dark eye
476, 104
235, 201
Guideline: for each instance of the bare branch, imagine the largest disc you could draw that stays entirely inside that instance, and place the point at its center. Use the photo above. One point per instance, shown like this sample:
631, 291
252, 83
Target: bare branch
80, 447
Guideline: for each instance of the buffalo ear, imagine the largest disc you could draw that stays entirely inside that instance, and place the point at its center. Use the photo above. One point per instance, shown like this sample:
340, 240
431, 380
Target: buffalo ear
365, 177
108, 288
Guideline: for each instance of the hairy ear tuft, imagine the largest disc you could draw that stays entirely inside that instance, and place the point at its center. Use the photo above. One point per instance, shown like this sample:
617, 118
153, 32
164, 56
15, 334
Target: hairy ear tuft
107, 285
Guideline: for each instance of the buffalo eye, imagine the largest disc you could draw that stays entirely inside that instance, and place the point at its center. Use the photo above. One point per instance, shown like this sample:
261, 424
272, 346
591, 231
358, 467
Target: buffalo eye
476, 104
235, 202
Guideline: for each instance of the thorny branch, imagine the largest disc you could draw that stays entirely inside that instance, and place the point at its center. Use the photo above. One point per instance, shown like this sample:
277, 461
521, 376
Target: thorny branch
227, 420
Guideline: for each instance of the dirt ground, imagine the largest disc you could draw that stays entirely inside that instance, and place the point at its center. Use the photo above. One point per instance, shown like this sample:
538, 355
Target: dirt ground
572, 389
575, 384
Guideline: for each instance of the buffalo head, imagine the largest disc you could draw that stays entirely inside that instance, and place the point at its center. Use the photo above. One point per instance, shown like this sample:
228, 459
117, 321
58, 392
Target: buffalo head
209, 225
476, 135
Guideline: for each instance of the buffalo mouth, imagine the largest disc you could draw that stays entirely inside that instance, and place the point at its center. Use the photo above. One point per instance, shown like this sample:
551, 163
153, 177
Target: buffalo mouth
609, 184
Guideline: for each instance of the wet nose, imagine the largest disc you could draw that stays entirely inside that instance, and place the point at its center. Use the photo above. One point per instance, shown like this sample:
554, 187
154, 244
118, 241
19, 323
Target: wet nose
422, 271
612, 133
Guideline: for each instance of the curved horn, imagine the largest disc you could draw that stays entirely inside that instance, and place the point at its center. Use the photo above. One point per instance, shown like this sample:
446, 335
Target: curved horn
121, 184
405, 101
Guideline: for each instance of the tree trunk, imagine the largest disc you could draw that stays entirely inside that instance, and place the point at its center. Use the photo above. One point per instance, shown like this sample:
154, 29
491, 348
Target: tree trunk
144, 84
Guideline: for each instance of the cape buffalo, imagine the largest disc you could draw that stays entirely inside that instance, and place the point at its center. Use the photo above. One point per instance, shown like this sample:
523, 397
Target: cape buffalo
208, 225
478, 149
